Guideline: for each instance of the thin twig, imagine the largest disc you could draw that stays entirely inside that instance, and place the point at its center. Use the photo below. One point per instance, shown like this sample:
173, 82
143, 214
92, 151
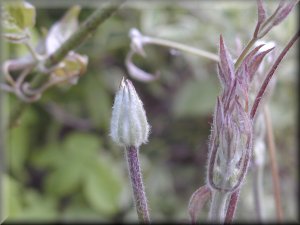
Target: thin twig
274, 166
6, 87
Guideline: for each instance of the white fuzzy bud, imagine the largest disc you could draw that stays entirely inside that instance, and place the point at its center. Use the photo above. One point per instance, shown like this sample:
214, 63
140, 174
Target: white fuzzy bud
129, 126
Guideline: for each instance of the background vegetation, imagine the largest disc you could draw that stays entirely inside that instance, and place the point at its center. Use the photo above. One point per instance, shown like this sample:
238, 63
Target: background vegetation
61, 162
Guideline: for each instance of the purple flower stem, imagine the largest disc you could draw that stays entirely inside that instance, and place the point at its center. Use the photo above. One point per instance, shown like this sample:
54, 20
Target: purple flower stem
232, 206
138, 189
271, 73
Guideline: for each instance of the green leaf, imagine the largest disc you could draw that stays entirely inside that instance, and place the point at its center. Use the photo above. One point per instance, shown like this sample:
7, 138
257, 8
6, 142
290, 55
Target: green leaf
37, 207
102, 190
48, 157
12, 203
81, 147
81, 165
18, 16
79, 211
21, 13
64, 180
18, 143
196, 98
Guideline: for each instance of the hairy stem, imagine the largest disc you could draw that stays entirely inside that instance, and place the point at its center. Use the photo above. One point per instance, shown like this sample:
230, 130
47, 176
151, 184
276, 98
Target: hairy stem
274, 166
271, 73
138, 189
232, 206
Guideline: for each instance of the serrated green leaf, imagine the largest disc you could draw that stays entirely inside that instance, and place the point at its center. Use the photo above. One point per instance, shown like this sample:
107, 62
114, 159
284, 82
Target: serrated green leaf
196, 98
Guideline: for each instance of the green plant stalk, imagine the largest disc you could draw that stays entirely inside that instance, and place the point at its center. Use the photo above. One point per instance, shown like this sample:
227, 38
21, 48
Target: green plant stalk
182, 47
218, 206
85, 30
244, 52
138, 189
19, 108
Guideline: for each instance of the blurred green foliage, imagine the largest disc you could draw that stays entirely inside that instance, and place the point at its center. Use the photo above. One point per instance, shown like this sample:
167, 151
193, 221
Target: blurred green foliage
68, 169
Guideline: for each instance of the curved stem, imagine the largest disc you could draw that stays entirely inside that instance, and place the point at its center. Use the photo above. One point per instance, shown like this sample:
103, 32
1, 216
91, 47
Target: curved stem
138, 189
182, 47
33, 53
274, 166
271, 73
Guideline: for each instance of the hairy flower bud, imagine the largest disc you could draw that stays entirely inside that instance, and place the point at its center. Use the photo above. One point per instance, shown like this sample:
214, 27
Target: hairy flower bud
231, 139
129, 126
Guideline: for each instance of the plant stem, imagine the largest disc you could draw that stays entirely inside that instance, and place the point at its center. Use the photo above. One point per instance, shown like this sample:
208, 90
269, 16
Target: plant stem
19, 108
33, 53
232, 206
274, 166
86, 29
218, 206
244, 53
137, 184
182, 47
271, 73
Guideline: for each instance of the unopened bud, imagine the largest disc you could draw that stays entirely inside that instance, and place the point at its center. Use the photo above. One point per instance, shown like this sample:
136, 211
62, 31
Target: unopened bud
129, 126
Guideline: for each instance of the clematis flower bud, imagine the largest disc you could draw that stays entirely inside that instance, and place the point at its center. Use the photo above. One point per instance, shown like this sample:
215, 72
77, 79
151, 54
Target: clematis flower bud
129, 126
